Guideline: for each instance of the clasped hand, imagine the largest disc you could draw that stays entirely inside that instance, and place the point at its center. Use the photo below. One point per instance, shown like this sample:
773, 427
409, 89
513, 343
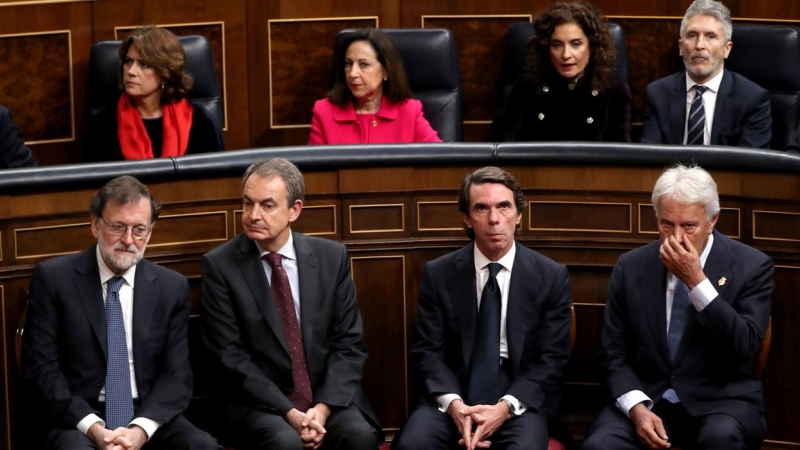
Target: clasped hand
310, 425
477, 423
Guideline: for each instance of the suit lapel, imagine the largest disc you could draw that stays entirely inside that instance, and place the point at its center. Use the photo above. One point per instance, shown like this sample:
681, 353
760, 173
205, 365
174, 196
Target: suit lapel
461, 287
145, 298
308, 271
677, 108
256, 279
524, 298
652, 281
89, 290
720, 110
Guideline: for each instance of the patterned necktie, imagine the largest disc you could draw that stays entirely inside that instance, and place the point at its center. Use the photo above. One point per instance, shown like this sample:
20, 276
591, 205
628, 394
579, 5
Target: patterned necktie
695, 129
119, 401
485, 365
282, 294
677, 323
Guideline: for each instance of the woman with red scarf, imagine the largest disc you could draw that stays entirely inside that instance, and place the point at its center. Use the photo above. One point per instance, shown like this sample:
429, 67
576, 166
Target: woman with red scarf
152, 118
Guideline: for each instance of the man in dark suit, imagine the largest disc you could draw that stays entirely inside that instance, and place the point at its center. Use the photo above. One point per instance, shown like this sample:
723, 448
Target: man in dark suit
492, 332
105, 347
13, 152
280, 316
685, 318
706, 104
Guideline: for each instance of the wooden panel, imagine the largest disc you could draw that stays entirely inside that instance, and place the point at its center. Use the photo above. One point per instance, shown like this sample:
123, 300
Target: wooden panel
380, 281
203, 228
51, 240
378, 218
292, 98
729, 222
776, 226
317, 220
480, 39
580, 216
439, 216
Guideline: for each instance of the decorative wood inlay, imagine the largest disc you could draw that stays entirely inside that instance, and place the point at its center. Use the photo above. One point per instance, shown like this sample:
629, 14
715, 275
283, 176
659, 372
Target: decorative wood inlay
729, 222
384, 279
580, 216
5, 365
776, 226
1, 245
480, 39
204, 227
52, 240
214, 32
439, 216
316, 220
37, 69
386, 218
292, 97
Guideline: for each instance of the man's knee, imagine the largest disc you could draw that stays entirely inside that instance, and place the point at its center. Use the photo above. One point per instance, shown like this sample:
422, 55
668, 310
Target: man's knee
350, 430
200, 440
721, 431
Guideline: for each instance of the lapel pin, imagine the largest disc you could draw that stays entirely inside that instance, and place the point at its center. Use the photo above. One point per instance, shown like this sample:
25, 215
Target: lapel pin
722, 281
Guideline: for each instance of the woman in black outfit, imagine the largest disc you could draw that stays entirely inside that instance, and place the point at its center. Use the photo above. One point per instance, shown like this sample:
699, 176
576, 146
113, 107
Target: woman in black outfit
567, 92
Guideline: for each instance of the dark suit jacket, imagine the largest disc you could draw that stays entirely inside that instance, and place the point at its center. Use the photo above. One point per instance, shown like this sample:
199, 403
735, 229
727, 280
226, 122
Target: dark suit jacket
712, 371
13, 152
553, 112
537, 326
243, 331
742, 115
65, 341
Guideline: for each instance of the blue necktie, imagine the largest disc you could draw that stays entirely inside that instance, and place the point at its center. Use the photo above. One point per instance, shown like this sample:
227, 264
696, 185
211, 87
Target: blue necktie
119, 400
696, 127
485, 365
677, 323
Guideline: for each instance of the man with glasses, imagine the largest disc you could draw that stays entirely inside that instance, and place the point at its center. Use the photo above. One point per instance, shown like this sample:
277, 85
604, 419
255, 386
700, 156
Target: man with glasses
105, 347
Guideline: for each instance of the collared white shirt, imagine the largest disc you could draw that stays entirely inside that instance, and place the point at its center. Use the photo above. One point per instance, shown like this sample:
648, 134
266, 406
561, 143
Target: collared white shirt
702, 294
289, 263
709, 103
504, 281
126, 302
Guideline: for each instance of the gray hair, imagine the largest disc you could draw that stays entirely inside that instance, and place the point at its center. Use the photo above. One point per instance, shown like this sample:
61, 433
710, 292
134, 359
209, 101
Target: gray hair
711, 8
687, 185
124, 190
281, 167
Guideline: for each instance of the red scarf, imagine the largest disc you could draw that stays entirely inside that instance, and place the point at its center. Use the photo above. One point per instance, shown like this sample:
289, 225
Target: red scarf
133, 138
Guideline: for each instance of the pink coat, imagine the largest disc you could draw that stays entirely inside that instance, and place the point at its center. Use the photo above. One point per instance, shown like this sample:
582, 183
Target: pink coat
393, 123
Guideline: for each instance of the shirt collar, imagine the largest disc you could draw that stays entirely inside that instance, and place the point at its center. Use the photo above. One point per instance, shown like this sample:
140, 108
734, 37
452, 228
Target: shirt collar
707, 250
107, 274
712, 84
287, 251
507, 261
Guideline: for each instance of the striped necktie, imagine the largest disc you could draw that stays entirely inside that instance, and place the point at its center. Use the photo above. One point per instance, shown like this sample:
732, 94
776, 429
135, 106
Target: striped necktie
695, 129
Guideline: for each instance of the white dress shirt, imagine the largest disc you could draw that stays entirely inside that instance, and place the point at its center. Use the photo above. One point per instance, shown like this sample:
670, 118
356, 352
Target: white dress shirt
126, 302
702, 294
504, 281
709, 103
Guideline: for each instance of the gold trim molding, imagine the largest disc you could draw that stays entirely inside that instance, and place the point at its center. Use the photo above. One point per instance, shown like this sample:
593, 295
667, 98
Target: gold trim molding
785, 213
441, 202
383, 205
530, 216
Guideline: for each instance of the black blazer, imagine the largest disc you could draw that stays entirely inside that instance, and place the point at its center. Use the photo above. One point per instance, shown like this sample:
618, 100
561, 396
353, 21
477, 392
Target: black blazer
713, 370
13, 152
553, 112
243, 331
64, 346
537, 326
742, 115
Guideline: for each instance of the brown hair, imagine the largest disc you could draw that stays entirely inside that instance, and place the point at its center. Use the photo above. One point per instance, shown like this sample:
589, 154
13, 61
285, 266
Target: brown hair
602, 51
395, 87
489, 174
161, 50
124, 190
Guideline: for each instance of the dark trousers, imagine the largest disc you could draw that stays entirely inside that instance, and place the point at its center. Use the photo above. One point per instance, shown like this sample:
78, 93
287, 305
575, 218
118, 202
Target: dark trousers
612, 429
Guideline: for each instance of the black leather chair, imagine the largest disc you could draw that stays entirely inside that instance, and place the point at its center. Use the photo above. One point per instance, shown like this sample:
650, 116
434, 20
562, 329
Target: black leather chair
770, 56
516, 53
430, 60
102, 90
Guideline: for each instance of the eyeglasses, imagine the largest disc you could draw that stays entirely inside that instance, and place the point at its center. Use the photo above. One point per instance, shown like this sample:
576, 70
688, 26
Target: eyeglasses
118, 229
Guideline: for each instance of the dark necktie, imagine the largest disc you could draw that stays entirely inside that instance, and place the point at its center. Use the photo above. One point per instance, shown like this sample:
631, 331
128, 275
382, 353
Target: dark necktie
282, 294
695, 129
677, 323
119, 400
485, 365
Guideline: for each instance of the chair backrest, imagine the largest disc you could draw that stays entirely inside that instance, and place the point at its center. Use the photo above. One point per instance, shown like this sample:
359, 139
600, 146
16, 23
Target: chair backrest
516, 52
431, 64
102, 90
763, 352
770, 57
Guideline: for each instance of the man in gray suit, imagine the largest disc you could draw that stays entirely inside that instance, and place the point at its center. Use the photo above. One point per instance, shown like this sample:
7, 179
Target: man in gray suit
281, 319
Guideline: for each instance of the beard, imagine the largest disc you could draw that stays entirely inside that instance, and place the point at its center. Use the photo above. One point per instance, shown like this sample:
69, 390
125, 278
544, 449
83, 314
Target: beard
120, 262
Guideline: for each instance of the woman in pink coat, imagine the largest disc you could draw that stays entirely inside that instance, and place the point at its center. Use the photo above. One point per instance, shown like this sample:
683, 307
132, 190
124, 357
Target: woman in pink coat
370, 101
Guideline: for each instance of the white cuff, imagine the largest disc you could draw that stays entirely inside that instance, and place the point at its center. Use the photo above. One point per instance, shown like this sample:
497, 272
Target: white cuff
88, 421
519, 407
444, 401
149, 426
702, 294
627, 401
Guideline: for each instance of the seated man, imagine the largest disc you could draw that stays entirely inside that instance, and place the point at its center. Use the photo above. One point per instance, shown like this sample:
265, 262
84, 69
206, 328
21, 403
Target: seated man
492, 333
706, 104
281, 319
686, 315
13, 152
107, 300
